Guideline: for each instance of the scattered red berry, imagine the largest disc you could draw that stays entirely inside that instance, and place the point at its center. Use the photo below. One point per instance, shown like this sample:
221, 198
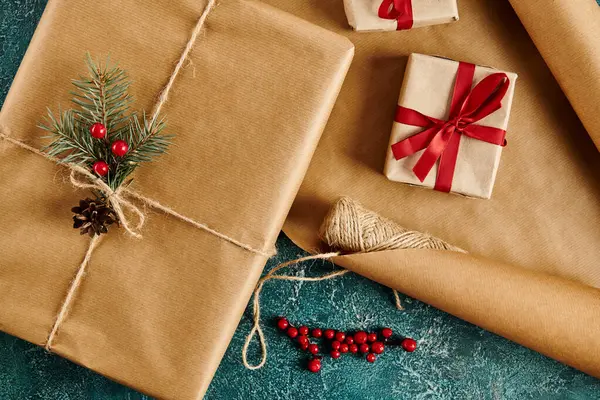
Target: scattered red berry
314, 365
360, 337
283, 323
119, 148
349, 339
340, 336
344, 348
371, 337
409, 344
101, 168
317, 332
335, 345
377, 347
304, 346
313, 348
329, 334
302, 340
371, 357
292, 332
335, 354
303, 330
386, 333
364, 348
353, 348
98, 130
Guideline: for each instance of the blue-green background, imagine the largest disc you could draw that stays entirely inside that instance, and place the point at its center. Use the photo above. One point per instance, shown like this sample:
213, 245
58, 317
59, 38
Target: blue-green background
455, 360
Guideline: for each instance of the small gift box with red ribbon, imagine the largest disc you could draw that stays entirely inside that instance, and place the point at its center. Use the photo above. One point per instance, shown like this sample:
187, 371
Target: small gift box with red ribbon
450, 126
392, 15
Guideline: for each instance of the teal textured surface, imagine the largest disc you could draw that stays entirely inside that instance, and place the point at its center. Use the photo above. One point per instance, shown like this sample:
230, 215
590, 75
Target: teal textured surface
455, 360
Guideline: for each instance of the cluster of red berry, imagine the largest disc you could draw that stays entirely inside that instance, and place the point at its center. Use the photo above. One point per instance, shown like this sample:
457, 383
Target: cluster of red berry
119, 148
338, 342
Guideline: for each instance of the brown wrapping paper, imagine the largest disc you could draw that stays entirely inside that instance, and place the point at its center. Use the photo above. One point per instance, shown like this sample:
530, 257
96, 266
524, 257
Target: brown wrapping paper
534, 246
428, 87
567, 35
363, 15
248, 110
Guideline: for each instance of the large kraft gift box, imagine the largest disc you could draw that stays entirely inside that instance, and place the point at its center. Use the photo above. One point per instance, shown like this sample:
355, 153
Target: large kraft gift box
532, 273
247, 110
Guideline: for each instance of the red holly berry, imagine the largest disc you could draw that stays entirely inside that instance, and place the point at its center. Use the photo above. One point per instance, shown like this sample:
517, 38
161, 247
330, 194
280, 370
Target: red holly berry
335, 345
340, 336
303, 330
377, 347
386, 333
313, 348
98, 130
292, 332
314, 365
409, 344
329, 334
344, 348
349, 339
353, 348
317, 333
371, 357
119, 148
360, 337
335, 354
282, 323
100, 168
364, 348
371, 337
302, 340
304, 346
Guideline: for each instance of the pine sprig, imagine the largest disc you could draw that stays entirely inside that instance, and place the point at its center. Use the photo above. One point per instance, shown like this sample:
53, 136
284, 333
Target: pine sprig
103, 97
69, 142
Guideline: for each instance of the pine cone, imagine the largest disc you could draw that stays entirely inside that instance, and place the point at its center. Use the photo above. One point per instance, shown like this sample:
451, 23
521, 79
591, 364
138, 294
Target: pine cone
93, 216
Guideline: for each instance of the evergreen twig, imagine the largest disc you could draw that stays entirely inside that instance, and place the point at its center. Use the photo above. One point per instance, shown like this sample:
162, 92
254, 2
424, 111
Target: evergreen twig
103, 97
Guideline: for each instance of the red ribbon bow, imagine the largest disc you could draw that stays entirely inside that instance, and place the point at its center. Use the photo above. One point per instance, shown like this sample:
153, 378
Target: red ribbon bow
400, 10
441, 138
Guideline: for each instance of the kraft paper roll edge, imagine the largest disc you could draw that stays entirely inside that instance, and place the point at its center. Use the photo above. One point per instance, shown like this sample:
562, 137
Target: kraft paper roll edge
536, 310
567, 35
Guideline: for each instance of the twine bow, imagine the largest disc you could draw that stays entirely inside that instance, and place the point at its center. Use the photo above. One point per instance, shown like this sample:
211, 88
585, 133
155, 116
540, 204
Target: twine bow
115, 197
441, 138
400, 10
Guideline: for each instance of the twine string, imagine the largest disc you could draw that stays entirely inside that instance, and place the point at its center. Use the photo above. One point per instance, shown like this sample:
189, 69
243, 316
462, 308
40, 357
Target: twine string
271, 275
352, 229
164, 95
64, 309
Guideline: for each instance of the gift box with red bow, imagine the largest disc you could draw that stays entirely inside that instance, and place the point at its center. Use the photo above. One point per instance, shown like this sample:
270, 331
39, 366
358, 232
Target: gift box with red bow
450, 126
391, 15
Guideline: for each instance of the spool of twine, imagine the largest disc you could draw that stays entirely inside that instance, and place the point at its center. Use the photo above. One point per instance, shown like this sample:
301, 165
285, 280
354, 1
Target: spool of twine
348, 228
351, 228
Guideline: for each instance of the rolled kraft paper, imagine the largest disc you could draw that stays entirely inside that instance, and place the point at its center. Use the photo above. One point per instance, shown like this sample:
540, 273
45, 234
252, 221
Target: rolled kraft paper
567, 35
536, 310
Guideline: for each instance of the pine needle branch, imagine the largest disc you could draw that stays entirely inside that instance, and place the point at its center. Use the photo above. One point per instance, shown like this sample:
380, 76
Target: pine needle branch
102, 97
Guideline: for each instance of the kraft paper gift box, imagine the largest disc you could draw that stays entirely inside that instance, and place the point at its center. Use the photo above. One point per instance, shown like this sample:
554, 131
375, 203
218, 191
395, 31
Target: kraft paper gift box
247, 110
391, 15
428, 88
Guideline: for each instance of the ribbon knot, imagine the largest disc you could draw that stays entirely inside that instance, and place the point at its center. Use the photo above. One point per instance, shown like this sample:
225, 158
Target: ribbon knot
115, 197
441, 138
400, 10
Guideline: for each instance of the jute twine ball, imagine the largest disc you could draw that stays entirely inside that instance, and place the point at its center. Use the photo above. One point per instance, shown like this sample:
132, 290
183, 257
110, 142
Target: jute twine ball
351, 228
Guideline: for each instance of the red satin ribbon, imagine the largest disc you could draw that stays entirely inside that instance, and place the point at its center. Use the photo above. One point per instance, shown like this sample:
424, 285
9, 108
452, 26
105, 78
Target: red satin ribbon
400, 10
441, 139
